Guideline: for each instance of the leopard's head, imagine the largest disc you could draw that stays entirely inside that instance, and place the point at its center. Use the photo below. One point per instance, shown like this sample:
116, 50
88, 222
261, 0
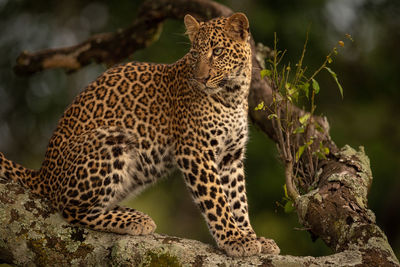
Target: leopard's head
220, 51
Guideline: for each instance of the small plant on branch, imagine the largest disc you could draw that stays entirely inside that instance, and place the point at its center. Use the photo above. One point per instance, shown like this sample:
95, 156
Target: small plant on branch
300, 145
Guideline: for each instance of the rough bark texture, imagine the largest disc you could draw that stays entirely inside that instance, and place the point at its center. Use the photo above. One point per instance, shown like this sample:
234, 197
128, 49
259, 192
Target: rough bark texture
336, 210
34, 234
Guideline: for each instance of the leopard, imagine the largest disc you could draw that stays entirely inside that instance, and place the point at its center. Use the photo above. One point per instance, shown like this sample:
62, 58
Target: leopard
138, 122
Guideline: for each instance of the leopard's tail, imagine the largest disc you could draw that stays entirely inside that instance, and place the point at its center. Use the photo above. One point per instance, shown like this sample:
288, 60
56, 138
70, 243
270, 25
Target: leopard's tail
10, 170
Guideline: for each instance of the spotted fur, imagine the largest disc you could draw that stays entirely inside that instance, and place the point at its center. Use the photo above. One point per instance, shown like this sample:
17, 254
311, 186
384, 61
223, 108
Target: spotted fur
138, 121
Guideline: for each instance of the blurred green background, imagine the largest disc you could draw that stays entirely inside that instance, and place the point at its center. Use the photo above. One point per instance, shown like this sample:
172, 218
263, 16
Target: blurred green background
368, 68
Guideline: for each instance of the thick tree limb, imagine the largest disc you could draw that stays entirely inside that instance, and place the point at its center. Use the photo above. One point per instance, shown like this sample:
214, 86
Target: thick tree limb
336, 210
34, 234
111, 48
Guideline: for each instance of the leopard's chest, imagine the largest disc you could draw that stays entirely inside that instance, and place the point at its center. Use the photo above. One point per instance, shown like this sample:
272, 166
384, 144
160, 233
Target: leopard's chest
235, 132
226, 132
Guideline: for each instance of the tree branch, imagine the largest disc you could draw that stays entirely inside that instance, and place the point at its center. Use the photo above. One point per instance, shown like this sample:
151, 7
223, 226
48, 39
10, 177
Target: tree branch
336, 210
111, 48
32, 233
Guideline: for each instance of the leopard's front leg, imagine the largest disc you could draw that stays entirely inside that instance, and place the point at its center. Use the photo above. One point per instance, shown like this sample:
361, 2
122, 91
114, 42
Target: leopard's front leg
201, 176
231, 169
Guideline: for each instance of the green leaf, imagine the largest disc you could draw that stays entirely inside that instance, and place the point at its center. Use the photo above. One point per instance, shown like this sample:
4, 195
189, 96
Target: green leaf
289, 207
293, 92
299, 130
302, 148
309, 142
334, 76
264, 73
319, 155
300, 152
303, 119
271, 116
259, 106
315, 86
319, 127
323, 149
305, 87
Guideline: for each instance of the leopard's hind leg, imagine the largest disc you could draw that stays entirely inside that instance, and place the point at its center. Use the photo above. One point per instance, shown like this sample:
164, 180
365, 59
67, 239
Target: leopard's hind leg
117, 220
101, 168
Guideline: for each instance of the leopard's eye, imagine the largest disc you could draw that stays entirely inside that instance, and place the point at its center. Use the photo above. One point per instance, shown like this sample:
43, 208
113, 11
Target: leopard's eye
217, 51
194, 53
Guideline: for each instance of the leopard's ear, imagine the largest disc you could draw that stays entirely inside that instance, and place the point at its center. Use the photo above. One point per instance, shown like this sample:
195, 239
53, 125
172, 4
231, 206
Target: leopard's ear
237, 27
192, 26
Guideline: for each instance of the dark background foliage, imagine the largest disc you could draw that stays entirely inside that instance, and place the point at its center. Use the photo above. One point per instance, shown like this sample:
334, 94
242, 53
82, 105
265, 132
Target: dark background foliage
368, 115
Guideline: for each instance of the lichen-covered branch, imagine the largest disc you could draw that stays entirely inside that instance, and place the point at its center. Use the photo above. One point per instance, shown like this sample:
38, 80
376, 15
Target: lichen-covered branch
33, 234
336, 210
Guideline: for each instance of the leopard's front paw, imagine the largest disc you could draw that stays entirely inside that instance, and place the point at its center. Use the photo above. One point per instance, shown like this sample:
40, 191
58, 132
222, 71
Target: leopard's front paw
268, 246
242, 246
143, 226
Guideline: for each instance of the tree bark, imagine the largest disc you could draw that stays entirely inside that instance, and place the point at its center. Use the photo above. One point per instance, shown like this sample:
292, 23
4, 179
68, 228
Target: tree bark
33, 234
336, 210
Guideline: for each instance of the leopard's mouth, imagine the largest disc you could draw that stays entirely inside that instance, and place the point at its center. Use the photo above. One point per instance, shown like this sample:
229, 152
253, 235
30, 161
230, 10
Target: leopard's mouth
213, 82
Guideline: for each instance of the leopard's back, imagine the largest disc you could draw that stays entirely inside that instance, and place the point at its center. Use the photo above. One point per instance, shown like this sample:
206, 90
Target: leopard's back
133, 95
125, 109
